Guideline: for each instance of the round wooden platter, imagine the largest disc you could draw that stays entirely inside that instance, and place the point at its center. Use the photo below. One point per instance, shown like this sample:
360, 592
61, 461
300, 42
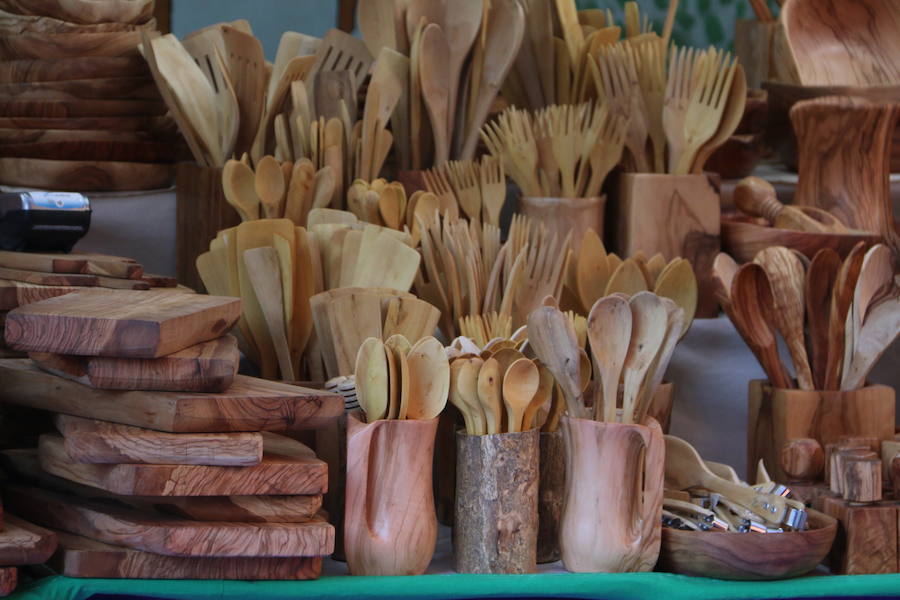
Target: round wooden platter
83, 12
11, 24
59, 109
45, 46
96, 150
84, 176
743, 238
119, 88
78, 67
129, 123
747, 556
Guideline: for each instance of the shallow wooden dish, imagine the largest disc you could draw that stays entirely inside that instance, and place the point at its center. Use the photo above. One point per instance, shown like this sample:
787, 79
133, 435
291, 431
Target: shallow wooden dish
747, 556
743, 237
84, 176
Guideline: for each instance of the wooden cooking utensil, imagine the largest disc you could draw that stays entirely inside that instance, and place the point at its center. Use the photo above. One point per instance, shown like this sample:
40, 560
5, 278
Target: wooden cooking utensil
627, 279
724, 270
269, 184
648, 330
841, 303
429, 379
609, 330
592, 271
677, 282
541, 399
756, 197
468, 389
456, 399
552, 337
240, 191
372, 379
434, 75
875, 276
731, 118
376, 23
820, 279
674, 327
520, 384
787, 276
264, 273
875, 335
461, 23
490, 394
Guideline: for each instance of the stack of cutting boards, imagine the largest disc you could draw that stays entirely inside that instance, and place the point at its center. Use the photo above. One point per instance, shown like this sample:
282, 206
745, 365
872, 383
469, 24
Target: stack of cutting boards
164, 462
21, 544
79, 110
27, 277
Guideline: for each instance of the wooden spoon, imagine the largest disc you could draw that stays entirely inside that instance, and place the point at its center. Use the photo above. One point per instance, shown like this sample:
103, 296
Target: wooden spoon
429, 379
239, 189
875, 275
609, 330
372, 379
678, 283
878, 331
468, 389
520, 384
269, 186
434, 75
552, 336
398, 347
456, 398
787, 277
841, 303
674, 325
592, 271
648, 330
820, 279
627, 279
489, 394
541, 397
724, 270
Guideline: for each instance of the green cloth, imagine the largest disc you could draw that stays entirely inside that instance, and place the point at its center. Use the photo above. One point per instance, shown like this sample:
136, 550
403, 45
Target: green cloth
600, 586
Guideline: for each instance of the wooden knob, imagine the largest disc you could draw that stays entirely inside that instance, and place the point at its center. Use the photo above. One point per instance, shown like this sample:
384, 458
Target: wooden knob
802, 459
756, 197
862, 479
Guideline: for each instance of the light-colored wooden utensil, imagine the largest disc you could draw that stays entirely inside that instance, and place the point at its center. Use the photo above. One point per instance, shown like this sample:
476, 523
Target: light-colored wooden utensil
875, 335
264, 273
756, 197
627, 279
552, 337
592, 272
240, 191
468, 388
429, 379
648, 330
376, 23
678, 282
841, 304
731, 118
520, 384
609, 330
820, 279
372, 379
247, 68
434, 75
269, 185
489, 388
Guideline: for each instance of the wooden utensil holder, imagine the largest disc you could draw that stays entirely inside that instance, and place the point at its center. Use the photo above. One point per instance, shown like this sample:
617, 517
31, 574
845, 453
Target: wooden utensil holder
551, 488
612, 510
390, 526
200, 213
496, 522
566, 215
674, 215
778, 416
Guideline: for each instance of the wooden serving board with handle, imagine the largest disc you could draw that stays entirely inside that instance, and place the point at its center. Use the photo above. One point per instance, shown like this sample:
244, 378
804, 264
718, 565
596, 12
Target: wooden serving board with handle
91, 264
205, 367
250, 404
169, 536
79, 556
121, 324
22, 543
287, 468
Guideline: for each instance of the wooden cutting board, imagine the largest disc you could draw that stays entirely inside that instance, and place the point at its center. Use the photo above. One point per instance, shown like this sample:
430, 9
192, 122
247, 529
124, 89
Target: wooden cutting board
205, 367
250, 404
92, 264
129, 124
85, 175
58, 109
172, 537
159, 281
72, 279
145, 152
22, 543
119, 88
100, 442
120, 324
79, 556
287, 468
63, 45
66, 69
17, 293
34, 136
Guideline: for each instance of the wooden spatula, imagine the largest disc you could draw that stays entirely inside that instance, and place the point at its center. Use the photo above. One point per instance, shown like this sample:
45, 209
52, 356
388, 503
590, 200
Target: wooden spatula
878, 331
247, 68
551, 335
264, 273
841, 302
376, 23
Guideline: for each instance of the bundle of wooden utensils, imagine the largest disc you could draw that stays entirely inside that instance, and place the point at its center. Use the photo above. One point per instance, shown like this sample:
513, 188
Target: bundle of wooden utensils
80, 109
835, 316
150, 416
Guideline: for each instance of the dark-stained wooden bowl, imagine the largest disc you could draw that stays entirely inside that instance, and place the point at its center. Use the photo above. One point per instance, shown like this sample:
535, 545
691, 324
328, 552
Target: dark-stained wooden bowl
743, 237
747, 556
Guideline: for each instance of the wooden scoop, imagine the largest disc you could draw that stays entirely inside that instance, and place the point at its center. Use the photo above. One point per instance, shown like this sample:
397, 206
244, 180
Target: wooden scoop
756, 197
372, 379
429, 379
609, 329
520, 384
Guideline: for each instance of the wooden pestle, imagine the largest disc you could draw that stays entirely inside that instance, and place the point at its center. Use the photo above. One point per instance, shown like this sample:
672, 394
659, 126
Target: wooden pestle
756, 197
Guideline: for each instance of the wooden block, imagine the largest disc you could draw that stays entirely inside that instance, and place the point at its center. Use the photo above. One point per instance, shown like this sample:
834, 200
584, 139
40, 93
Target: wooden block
250, 404
832, 469
676, 215
120, 324
867, 541
9, 579
22, 543
838, 466
16, 293
83, 557
89, 441
862, 479
38, 278
205, 367
172, 537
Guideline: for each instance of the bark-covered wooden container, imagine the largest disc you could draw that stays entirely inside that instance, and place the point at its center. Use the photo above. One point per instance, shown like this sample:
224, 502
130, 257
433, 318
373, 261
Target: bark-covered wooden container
551, 488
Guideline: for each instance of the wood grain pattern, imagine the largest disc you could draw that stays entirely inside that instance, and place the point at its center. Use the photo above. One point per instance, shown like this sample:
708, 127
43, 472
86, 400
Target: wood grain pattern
868, 542
495, 526
65, 69
205, 367
124, 324
99, 442
172, 537
22, 543
84, 176
250, 404
32, 45
567, 215
83, 557
113, 124
96, 264
778, 416
675, 215
733, 555
551, 488
287, 468
17, 293
57, 109
753, 48
13, 24
84, 12
9, 579
140, 152
12, 136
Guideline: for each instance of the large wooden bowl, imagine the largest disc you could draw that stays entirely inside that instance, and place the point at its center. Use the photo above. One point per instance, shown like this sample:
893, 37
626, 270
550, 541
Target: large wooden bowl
743, 238
747, 556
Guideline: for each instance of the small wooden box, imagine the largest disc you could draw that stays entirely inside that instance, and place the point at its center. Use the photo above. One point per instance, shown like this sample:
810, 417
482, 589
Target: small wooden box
777, 416
675, 215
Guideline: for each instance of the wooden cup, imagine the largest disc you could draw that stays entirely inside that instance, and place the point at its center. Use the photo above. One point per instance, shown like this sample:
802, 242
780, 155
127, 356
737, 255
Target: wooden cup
675, 215
566, 215
551, 489
496, 522
390, 526
200, 213
778, 417
611, 519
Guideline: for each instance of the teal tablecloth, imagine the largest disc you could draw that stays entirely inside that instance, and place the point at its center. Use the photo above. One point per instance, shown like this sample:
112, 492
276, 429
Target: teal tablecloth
590, 586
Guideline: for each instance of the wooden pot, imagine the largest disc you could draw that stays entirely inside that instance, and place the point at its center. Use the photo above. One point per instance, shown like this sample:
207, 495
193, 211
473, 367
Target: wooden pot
566, 215
551, 489
612, 509
779, 416
675, 215
390, 526
496, 522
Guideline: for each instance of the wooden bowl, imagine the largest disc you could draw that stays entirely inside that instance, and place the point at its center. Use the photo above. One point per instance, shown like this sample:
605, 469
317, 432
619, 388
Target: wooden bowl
747, 556
66, 45
81, 12
743, 237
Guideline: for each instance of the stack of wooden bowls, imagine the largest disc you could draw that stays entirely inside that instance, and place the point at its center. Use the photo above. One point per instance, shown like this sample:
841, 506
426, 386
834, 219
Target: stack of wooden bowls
79, 110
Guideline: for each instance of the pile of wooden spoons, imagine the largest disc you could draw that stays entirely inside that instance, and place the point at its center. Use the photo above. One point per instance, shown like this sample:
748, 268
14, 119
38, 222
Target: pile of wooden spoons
396, 380
385, 203
836, 317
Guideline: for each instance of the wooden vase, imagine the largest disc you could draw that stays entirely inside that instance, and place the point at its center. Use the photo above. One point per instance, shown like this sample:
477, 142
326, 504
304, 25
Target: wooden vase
566, 215
551, 489
778, 417
496, 522
390, 526
611, 519
674, 215
200, 213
